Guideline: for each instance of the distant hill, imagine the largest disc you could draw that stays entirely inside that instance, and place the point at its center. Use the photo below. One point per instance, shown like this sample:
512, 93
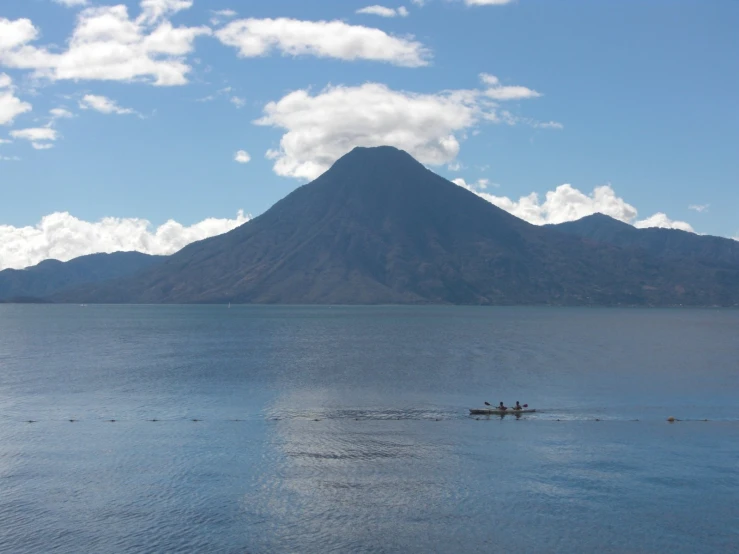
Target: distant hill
672, 244
379, 228
51, 276
24, 300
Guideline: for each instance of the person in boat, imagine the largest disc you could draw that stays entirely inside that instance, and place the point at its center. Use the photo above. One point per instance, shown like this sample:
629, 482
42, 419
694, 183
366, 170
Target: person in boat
517, 406
501, 407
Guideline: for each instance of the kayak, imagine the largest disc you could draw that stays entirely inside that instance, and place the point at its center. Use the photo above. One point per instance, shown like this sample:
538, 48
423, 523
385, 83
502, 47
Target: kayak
496, 411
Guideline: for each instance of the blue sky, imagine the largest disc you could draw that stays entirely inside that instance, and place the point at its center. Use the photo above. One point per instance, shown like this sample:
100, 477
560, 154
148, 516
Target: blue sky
623, 107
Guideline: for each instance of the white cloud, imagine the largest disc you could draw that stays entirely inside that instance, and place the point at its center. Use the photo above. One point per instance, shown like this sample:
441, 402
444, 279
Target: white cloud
42, 145
479, 185
35, 134
547, 125
700, 208
62, 236
10, 159
325, 39
661, 220
487, 2
322, 128
496, 91
15, 33
419, 3
237, 101
10, 105
383, 11
220, 15
211, 97
5, 141
103, 104
242, 156
154, 10
60, 113
107, 44
72, 3
567, 203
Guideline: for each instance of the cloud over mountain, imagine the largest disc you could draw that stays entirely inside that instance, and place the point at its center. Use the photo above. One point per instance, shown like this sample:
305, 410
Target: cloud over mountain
321, 127
62, 236
566, 203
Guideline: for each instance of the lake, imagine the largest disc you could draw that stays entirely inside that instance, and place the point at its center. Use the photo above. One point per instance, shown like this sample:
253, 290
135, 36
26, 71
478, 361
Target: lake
347, 429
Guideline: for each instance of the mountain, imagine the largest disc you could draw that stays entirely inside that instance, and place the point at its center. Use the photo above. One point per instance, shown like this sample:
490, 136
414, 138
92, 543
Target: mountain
673, 244
51, 276
379, 228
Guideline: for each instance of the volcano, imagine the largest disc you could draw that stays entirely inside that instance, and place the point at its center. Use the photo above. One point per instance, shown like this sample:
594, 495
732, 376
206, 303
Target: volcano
380, 228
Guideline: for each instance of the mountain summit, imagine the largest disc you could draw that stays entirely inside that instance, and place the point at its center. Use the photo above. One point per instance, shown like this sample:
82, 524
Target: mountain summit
378, 227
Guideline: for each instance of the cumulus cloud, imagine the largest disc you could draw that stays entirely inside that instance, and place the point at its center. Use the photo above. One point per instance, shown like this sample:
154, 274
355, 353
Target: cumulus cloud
322, 128
107, 44
242, 156
14, 34
566, 203
324, 39
103, 104
62, 236
383, 11
661, 220
72, 3
10, 106
35, 134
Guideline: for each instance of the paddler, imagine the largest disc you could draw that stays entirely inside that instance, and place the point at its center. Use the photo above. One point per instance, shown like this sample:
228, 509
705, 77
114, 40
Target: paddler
517, 406
501, 407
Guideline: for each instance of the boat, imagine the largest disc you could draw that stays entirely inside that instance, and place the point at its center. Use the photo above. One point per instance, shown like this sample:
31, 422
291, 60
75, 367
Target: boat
496, 411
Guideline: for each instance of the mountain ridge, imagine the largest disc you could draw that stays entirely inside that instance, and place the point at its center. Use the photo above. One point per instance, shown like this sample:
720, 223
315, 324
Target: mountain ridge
667, 243
380, 228
52, 276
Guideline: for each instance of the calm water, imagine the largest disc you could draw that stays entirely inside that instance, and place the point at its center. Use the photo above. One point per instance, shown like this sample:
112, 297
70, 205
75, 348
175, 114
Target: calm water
347, 430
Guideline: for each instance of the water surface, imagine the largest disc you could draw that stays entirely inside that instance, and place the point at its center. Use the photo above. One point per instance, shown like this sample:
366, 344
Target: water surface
333, 429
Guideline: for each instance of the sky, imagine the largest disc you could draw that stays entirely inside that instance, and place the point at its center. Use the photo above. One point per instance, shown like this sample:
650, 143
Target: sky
148, 124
